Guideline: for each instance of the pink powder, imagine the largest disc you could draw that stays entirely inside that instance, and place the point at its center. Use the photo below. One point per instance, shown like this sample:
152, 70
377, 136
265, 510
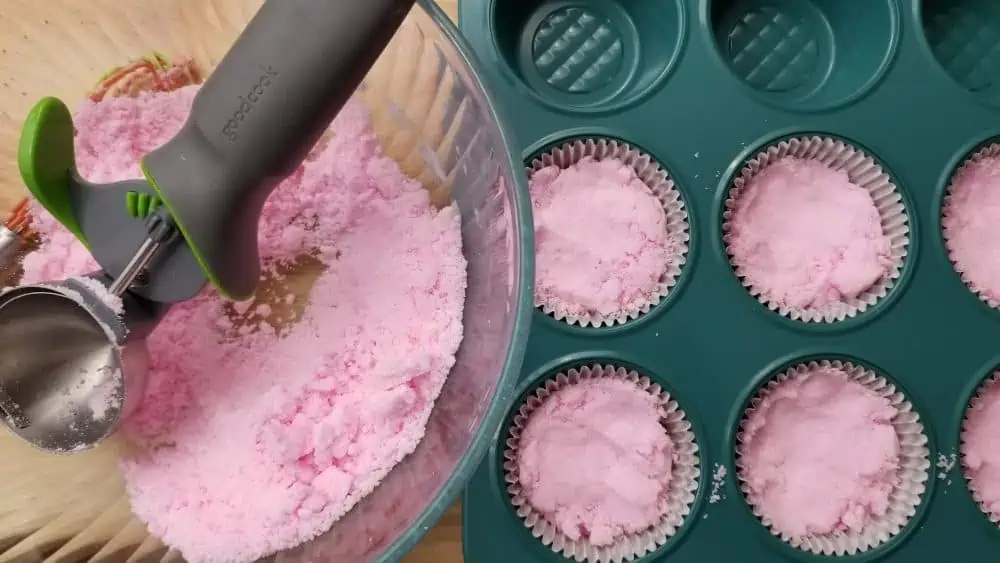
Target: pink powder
970, 223
595, 460
820, 454
805, 236
981, 448
100, 291
248, 442
601, 242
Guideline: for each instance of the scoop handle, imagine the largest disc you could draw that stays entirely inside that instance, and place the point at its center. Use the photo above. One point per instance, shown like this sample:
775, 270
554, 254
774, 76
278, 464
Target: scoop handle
255, 119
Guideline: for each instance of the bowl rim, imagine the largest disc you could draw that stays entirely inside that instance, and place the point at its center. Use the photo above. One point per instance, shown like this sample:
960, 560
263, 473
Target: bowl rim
523, 289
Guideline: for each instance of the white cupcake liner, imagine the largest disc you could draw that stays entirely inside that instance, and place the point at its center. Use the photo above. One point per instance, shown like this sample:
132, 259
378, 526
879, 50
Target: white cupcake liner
683, 483
988, 151
974, 402
659, 182
914, 465
863, 171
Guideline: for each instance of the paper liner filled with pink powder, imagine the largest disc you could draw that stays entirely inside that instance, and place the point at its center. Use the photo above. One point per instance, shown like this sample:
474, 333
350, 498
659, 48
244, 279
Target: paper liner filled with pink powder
605, 437
832, 458
611, 232
980, 447
815, 229
969, 217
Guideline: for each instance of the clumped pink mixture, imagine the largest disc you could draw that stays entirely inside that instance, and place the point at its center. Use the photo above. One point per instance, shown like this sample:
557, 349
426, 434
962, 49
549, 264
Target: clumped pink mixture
595, 460
981, 449
250, 441
820, 454
805, 236
601, 243
970, 220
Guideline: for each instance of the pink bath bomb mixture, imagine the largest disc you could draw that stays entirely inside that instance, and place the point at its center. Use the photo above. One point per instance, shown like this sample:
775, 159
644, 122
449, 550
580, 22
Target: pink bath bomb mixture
820, 454
250, 440
805, 236
981, 449
970, 225
601, 242
595, 460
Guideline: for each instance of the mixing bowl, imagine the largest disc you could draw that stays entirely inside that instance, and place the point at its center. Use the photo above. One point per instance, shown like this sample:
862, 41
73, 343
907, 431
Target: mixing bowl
435, 118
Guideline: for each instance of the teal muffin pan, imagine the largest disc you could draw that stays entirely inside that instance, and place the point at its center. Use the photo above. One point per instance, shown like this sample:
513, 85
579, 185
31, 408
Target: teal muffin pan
703, 86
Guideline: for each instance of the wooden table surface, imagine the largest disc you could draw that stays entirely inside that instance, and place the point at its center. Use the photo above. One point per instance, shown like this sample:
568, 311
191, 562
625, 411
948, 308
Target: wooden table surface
443, 544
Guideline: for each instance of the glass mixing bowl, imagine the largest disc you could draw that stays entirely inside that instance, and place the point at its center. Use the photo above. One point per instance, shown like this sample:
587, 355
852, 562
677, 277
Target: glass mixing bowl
435, 118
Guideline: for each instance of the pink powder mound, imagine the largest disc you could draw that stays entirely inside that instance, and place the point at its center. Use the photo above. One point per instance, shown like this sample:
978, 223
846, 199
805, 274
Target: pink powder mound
805, 236
820, 454
970, 222
601, 243
250, 442
981, 449
595, 460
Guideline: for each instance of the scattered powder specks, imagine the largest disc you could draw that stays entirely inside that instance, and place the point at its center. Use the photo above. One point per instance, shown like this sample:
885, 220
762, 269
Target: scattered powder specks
945, 463
248, 441
803, 235
106, 396
601, 241
718, 481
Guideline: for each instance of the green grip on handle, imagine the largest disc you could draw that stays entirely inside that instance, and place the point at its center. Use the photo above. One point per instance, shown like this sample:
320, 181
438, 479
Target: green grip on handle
46, 160
109, 219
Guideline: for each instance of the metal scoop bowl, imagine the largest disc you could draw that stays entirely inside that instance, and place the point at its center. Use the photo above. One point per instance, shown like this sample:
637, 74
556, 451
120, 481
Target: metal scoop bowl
71, 368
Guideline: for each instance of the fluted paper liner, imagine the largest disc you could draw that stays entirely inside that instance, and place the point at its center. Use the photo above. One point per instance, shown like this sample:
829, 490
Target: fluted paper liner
659, 182
989, 151
976, 400
683, 480
914, 465
863, 171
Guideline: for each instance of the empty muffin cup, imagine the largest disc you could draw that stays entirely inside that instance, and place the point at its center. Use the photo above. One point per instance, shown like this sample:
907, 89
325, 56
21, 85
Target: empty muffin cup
980, 459
913, 464
662, 187
862, 170
968, 250
679, 491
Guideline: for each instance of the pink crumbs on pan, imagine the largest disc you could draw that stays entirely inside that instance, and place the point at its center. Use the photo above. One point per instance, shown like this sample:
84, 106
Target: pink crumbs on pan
601, 242
805, 236
969, 220
249, 440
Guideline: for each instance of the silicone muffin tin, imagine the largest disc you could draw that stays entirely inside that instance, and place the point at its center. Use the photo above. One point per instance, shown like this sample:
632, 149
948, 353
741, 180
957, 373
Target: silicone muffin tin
703, 86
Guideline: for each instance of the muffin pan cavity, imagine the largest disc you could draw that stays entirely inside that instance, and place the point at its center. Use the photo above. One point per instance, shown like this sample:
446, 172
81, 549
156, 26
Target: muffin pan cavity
861, 169
853, 92
969, 188
587, 55
896, 519
672, 237
962, 35
806, 54
685, 474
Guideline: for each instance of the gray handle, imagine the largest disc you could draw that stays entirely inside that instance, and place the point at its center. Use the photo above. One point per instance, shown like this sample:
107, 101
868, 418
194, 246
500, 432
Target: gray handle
257, 116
